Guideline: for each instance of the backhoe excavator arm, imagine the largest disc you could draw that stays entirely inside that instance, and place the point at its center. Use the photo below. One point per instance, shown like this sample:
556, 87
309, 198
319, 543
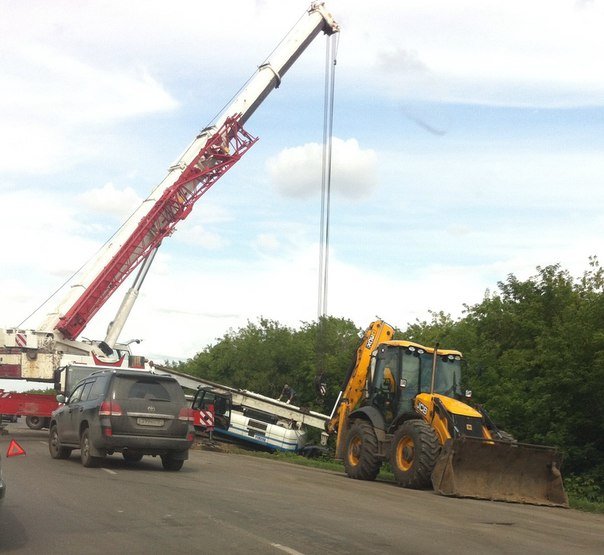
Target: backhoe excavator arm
355, 382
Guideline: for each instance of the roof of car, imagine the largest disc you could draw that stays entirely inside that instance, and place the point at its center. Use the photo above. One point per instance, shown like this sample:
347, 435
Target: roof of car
134, 373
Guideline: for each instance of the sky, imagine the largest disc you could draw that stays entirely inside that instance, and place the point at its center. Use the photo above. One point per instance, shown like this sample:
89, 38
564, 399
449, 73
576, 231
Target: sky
468, 144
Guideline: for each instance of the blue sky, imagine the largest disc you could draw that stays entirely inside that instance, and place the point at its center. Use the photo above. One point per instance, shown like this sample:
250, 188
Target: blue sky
468, 145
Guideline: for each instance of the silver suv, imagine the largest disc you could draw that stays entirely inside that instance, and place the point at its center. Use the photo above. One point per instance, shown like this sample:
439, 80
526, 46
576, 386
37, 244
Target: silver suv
132, 412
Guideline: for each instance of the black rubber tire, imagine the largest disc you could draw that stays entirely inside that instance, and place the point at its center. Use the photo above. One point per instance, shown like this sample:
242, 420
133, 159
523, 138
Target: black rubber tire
57, 451
35, 422
504, 436
361, 460
132, 457
413, 454
171, 464
87, 459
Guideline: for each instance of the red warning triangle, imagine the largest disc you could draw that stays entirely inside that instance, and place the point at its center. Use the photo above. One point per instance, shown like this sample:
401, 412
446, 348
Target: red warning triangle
14, 449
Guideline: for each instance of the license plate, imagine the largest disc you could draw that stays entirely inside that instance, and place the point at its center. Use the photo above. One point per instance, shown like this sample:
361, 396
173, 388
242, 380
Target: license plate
149, 422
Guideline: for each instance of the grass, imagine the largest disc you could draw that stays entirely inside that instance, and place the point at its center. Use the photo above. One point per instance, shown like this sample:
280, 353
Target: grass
585, 505
321, 462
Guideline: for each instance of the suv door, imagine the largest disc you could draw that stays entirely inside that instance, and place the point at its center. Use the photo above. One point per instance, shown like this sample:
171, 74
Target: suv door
66, 416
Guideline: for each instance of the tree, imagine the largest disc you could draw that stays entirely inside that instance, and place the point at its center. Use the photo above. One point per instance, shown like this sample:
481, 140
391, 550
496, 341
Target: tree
535, 352
264, 356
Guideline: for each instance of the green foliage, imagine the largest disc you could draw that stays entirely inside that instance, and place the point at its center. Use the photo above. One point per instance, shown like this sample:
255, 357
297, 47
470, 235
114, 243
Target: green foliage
42, 391
585, 488
535, 359
264, 356
534, 352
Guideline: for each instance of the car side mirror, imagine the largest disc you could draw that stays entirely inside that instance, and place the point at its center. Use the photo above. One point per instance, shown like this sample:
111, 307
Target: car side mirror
60, 398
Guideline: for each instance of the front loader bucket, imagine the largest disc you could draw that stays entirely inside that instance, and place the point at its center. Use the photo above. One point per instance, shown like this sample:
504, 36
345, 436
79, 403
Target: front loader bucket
500, 471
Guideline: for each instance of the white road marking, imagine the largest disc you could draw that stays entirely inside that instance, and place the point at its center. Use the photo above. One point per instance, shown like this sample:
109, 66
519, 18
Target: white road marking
108, 471
43, 442
286, 549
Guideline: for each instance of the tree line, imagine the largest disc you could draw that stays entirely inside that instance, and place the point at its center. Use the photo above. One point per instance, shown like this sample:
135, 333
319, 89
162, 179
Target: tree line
533, 350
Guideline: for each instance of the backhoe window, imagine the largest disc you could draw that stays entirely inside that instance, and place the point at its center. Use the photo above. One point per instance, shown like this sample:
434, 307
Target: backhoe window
387, 372
396, 380
410, 378
448, 376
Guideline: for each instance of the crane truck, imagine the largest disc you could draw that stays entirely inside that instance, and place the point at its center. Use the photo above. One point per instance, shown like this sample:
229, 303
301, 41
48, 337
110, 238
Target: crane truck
52, 351
402, 402
243, 416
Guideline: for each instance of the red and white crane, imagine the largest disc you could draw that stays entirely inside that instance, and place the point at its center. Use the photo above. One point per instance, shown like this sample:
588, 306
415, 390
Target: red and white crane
40, 354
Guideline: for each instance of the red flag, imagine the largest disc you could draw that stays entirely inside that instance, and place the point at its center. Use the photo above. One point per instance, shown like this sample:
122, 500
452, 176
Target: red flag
14, 449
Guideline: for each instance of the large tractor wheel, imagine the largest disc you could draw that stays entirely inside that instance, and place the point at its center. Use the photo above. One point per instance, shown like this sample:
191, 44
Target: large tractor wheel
413, 454
361, 461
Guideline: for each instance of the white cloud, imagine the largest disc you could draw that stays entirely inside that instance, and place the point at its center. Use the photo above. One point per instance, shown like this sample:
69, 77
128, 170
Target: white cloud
43, 244
18, 140
200, 236
209, 212
78, 91
284, 288
108, 199
516, 53
57, 99
296, 171
77, 77
267, 242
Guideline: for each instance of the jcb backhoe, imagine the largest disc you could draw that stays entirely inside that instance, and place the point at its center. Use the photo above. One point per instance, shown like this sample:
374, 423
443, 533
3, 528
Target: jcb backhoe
402, 402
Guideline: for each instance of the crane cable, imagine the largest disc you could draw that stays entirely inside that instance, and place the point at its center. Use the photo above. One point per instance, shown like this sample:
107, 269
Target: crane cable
331, 49
330, 69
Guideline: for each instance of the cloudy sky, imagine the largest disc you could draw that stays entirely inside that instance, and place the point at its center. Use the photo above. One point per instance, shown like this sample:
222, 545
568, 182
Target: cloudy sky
468, 145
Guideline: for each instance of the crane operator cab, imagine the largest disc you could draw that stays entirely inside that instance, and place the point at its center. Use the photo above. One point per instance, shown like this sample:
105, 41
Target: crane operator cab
402, 369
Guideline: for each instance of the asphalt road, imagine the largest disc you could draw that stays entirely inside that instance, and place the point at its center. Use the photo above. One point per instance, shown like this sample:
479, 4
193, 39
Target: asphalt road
227, 503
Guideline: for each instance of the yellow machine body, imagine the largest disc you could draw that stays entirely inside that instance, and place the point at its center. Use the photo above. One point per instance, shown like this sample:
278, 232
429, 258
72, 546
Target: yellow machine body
403, 402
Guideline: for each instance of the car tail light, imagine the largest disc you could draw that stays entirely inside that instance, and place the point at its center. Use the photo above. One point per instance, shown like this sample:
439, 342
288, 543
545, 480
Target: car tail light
110, 408
186, 414
107, 409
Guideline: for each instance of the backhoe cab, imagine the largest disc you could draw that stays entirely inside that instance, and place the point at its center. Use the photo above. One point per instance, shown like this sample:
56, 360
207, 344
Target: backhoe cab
402, 402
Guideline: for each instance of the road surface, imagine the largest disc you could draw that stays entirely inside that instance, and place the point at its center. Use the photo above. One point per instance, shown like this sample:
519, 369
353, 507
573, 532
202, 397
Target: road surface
227, 503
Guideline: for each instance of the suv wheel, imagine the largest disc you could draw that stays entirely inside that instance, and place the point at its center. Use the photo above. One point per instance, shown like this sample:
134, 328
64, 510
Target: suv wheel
170, 463
87, 459
57, 451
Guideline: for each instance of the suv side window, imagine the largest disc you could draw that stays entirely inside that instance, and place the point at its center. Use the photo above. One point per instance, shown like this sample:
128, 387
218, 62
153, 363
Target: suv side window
76, 395
98, 387
86, 391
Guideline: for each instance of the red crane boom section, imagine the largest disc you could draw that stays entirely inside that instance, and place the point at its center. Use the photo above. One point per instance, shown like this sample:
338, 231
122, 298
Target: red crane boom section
220, 153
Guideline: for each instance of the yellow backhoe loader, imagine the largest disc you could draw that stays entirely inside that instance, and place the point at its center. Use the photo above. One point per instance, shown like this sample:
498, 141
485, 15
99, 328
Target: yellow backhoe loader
402, 402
